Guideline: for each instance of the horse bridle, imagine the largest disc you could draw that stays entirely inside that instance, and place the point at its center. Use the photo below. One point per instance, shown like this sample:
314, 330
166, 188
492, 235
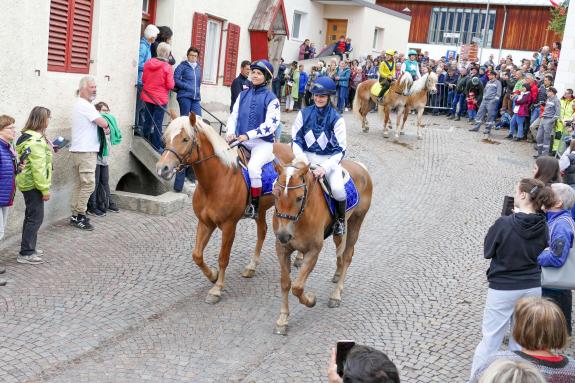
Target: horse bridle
296, 217
184, 159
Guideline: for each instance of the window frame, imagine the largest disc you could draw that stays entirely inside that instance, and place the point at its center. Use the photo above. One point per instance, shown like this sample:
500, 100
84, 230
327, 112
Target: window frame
222, 25
299, 28
468, 22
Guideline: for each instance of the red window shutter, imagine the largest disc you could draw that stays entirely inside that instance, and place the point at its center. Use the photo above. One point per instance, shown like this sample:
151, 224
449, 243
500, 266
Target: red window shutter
79, 54
70, 35
199, 31
58, 35
232, 48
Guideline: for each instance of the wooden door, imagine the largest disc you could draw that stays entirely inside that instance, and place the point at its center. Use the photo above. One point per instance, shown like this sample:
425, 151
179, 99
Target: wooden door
335, 28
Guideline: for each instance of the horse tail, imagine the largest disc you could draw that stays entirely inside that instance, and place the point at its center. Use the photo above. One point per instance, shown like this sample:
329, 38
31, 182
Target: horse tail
357, 103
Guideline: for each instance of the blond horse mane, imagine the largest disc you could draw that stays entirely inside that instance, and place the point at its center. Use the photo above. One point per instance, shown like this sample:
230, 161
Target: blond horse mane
221, 148
426, 83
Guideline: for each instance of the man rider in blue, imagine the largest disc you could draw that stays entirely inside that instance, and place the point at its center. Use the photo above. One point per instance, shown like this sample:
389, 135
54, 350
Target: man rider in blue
319, 133
254, 119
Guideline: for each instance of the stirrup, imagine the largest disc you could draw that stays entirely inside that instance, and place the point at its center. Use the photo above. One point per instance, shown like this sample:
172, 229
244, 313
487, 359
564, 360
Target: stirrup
250, 212
339, 227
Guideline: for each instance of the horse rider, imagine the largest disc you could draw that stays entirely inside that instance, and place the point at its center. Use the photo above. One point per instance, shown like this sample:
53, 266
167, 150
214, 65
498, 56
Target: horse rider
254, 119
411, 65
386, 73
319, 133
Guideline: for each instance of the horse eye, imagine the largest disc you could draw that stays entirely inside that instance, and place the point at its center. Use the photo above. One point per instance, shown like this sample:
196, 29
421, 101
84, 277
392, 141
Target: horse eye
300, 198
186, 139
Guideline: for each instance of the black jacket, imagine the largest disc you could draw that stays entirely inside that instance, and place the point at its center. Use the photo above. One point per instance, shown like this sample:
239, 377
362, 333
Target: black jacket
237, 87
513, 244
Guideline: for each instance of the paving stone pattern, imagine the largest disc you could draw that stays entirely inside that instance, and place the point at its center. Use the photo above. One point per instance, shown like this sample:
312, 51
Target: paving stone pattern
125, 303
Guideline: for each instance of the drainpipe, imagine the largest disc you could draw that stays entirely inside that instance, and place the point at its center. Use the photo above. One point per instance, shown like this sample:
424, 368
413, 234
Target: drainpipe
502, 32
484, 35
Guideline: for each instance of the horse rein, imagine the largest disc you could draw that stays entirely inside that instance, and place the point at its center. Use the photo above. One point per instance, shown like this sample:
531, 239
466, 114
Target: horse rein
183, 160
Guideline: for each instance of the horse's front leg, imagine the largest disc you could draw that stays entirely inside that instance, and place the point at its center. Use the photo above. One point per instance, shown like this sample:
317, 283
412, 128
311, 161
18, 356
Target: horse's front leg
309, 261
284, 258
203, 233
228, 235
386, 121
262, 225
420, 123
402, 111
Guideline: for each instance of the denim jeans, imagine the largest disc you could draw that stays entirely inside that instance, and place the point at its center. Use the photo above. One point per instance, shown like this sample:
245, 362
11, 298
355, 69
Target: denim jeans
155, 114
471, 114
535, 113
516, 124
459, 99
341, 98
140, 118
188, 105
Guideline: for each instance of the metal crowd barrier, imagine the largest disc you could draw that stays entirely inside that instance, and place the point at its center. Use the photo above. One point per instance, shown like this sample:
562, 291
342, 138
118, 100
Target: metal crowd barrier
440, 101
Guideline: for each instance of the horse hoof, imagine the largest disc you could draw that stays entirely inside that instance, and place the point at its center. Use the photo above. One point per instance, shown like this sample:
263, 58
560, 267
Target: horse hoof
311, 300
297, 262
365, 130
213, 299
248, 273
385, 135
420, 137
333, 303
335, 278
280, 330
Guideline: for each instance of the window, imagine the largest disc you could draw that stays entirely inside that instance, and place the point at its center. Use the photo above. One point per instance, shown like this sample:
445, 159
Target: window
69, 35
212, 51
297, 31
377, 39
456, 26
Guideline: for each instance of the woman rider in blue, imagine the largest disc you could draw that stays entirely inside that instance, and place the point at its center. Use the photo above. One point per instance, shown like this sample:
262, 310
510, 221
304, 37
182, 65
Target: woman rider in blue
254, 119
319, 133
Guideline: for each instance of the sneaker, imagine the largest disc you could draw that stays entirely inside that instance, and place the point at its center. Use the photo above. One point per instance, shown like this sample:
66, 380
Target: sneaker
97, 212
509, 137
487, 131
113, 209
40, 252
346, 110
476, 129
450, 116
81, 222
458, 118
33, 259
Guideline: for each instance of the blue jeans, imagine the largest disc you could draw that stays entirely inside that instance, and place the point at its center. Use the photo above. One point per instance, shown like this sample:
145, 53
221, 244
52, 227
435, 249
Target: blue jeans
341, 98
516, 124
471, 114
535, 113
155, 118
459, 99
140, 118
188, 105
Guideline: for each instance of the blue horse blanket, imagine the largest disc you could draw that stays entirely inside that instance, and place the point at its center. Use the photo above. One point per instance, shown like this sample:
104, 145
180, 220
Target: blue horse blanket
352, 197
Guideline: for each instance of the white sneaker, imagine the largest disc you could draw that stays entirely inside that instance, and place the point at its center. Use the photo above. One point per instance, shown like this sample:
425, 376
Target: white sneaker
33, 259
346, 110
40, 252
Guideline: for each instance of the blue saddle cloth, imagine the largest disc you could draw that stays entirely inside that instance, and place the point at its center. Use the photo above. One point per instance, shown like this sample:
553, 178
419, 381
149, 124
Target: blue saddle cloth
269, 176
352, 197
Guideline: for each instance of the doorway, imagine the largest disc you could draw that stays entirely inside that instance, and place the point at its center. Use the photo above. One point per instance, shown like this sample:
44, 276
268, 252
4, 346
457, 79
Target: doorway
148, 14
335, 28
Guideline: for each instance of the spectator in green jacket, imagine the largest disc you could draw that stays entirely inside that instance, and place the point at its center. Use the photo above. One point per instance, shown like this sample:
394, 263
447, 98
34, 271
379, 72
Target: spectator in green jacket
34, 181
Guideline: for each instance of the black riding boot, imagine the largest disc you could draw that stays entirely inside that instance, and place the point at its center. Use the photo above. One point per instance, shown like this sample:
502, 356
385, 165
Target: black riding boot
339, 227
385, 84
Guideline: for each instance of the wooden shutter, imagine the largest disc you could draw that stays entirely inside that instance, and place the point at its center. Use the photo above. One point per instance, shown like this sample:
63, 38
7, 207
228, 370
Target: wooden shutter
232, 47
199, 32
70, 35
58, 35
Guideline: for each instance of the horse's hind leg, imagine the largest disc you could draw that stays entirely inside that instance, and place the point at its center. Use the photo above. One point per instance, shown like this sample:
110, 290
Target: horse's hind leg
262, 225
203, 234
228, 235
354, 225
309, 261
284, 258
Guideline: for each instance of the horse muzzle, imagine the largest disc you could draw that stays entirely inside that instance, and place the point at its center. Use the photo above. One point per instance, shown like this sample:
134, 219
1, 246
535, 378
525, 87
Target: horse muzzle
284, 236
165, 171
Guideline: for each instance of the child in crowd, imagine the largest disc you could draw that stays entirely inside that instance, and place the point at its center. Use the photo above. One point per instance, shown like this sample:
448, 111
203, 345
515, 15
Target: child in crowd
312, 51
504, 121
34, 181
7, 174
471, 106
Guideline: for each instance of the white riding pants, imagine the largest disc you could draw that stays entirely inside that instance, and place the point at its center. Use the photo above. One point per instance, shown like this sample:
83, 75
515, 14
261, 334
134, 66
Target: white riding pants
334, 175
497, 318
262, 152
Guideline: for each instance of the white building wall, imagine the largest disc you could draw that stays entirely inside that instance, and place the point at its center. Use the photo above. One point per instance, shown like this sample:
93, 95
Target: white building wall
566, 69
312, 27
27, 83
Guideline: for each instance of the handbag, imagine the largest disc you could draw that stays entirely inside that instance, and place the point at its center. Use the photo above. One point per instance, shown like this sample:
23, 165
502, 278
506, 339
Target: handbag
561, 277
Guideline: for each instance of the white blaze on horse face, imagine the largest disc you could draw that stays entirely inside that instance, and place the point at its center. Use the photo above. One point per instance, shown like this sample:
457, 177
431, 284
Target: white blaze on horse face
289, 174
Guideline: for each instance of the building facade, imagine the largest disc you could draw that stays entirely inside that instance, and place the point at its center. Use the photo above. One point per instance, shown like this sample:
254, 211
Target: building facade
517, 27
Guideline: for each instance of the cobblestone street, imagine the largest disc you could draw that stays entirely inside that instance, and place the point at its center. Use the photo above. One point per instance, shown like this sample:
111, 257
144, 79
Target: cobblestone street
125, 303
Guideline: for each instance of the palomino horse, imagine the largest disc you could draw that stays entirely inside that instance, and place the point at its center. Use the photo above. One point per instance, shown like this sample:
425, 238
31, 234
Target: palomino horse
417, 100
300, 221
221, 193
395, 98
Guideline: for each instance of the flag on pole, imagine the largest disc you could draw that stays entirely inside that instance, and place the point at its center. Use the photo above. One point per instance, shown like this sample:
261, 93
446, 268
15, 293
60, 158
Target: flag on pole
554, 3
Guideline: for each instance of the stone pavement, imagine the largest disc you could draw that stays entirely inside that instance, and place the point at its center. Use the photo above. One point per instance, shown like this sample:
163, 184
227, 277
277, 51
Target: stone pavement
125, 303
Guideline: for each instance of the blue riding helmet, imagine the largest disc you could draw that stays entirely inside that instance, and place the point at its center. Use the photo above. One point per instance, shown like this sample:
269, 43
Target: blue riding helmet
323, 86
265, 67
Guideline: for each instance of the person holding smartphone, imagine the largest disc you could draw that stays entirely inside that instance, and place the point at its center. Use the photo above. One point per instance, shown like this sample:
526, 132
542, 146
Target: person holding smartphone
360, 364
34, 180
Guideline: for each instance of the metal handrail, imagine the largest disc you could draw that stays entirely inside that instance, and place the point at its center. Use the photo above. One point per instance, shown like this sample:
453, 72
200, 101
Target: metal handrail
215, 118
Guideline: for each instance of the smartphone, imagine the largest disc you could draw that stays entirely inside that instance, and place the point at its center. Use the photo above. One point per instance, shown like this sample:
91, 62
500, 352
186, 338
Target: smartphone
24, 155
341, 351
508, 205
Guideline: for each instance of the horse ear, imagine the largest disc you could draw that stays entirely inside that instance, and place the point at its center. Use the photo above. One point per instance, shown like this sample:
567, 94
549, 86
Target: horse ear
278, 166
192, 118
173, 114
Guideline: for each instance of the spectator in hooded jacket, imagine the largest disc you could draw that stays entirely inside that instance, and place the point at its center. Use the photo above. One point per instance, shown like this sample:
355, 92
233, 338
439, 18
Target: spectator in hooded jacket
158, 81
188, 79
145, 54
34, 180
521, 100
513, 244
561, 226
7, 174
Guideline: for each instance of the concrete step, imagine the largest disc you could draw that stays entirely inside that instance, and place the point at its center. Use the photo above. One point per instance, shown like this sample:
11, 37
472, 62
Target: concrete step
145, 153
162, 204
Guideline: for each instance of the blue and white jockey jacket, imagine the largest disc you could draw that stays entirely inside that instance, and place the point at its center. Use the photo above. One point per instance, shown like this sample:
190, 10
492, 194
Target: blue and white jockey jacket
256, 113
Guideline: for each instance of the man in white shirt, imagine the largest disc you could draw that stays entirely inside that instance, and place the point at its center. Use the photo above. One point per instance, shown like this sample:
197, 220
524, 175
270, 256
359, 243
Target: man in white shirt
84, 148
